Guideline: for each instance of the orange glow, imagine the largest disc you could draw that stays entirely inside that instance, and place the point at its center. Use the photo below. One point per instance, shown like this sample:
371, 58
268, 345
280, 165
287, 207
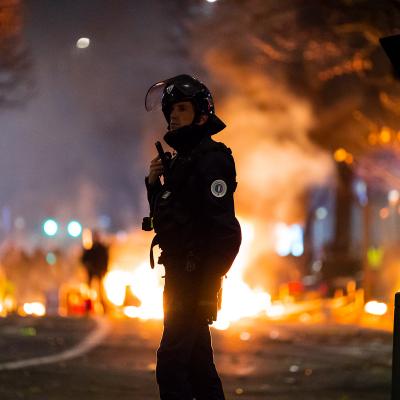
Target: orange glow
143, 283
384, 212
239, 300
372, 139
36, 309
340, 155
385, 135
349, 159
375, 308
87, 240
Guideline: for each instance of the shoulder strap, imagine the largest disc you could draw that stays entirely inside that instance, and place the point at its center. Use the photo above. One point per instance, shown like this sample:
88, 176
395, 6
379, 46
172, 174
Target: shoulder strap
208, 146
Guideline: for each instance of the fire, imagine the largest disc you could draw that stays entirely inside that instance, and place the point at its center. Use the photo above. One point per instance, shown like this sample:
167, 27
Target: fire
375, 308
239, 300
37, 309
143, 283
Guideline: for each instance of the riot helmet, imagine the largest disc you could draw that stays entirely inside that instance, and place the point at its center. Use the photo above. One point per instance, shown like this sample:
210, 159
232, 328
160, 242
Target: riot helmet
184, 87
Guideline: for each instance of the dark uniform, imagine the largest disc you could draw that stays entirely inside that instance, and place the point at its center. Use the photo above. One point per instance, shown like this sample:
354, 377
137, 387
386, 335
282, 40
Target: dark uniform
95, 261
194, 220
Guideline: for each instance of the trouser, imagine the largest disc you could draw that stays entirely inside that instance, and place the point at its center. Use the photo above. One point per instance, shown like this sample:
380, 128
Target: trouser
185, 365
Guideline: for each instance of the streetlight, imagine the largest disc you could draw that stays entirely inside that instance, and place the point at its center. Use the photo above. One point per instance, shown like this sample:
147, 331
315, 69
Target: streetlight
74, 229
50, 227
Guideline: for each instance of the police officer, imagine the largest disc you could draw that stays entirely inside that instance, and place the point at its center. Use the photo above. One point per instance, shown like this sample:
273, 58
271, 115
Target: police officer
193, 215
95, 259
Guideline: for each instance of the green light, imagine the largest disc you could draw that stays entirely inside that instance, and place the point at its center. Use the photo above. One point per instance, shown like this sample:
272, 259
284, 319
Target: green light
375, 257
50, 227
51, 258
74, 228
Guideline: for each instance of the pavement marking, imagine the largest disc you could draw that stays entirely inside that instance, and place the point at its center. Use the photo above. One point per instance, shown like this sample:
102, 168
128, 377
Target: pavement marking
92, 340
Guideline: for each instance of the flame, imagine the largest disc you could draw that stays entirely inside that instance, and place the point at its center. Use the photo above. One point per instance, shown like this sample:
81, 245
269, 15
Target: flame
143, 283
35, 308
239, 300
375, 308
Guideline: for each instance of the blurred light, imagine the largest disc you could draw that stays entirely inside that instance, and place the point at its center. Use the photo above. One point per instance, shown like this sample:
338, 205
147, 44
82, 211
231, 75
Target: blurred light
385, 135
239, 391
349, 158
35, 308
375, 257
384, 212
360, 189
289, 240
297, 249
283, 239
122, 236
297, 240
274, 334
83, 43
305, 317
375, 308
131, 312
317, 266
19, 223
308, 372
245, 336
393, 197
74, 228
115, 283
51, 258
211, 1
321, 213
50, 227
294, 368
104, 222
275, 310
221, 325
340, 155
152, 367
87, 240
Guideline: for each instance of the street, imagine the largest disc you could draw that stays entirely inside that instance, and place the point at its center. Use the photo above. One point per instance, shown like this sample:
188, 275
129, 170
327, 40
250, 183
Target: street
257, 359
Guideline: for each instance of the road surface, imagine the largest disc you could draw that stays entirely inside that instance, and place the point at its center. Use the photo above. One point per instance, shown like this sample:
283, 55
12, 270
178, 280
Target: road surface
257, 359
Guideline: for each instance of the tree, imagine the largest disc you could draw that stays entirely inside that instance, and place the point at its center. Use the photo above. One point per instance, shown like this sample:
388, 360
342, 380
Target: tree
15, 64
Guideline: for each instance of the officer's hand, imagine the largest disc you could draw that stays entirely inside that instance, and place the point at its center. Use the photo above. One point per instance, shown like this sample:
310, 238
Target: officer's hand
156, 170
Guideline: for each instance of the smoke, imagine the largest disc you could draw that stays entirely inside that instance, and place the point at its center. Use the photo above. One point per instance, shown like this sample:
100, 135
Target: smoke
277, 163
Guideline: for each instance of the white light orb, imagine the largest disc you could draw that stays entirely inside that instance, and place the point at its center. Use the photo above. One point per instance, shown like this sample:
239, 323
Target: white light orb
50, 227
83, 43
74, 228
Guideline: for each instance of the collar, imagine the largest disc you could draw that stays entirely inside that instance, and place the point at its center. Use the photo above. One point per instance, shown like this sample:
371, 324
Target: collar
186, 138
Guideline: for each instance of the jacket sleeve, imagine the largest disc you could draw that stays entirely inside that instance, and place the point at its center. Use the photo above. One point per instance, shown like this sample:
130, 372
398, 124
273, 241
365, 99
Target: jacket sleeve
152, 191
220, 233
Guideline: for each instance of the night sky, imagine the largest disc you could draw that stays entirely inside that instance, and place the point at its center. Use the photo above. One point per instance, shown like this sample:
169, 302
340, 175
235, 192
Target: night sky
79, 146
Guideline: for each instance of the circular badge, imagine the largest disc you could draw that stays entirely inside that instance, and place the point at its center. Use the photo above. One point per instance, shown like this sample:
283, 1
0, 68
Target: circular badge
219, 188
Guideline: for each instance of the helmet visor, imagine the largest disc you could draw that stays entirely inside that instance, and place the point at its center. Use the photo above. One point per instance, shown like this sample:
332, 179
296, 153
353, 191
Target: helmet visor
185, 84
154, 96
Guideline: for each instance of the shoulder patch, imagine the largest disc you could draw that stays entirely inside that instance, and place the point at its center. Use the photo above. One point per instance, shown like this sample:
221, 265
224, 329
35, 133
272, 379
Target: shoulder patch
219, 188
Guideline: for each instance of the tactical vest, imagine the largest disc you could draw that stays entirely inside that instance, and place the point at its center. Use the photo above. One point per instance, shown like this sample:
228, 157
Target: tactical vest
175, 207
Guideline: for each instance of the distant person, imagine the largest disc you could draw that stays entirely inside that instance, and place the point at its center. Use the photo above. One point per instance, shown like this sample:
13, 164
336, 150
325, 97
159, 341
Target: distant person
95, 261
